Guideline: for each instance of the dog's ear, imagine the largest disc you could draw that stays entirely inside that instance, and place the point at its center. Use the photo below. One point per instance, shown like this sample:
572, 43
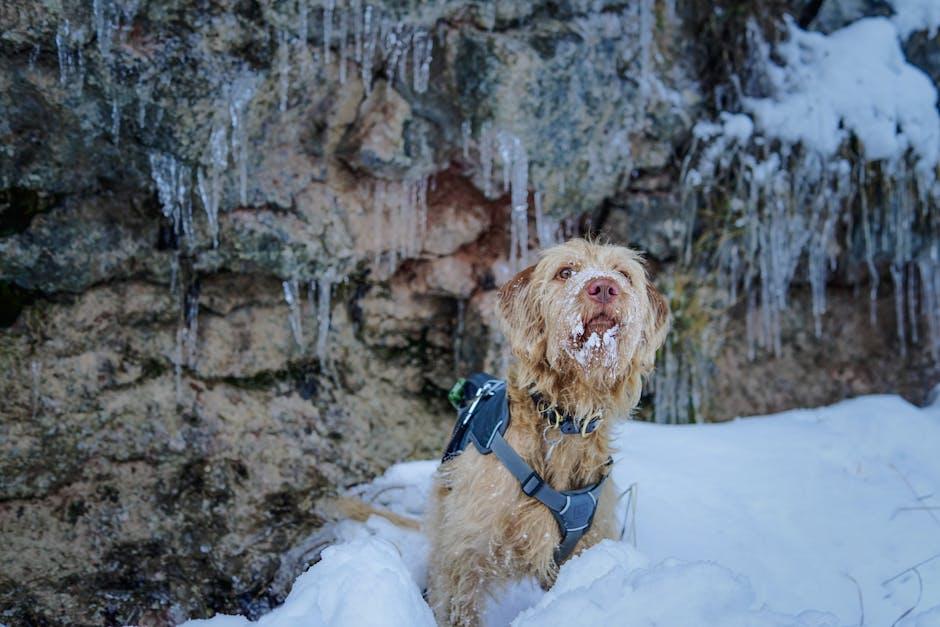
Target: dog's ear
657, 324
517, 311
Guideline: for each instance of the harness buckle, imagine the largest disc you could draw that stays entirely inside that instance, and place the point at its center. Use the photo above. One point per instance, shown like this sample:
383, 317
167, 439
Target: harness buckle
532, 483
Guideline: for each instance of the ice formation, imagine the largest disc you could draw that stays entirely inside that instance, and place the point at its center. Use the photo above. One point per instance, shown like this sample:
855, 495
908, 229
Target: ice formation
173, 181
546, 227
328, 31
343, 45
283, 68
191, 324
209, 185
423, 46
242, 91
646, 53
399, 221
324, 296
35, 374
294, 311
178, 364
517, 162
105, 21
916, 15
71, 59
799, 184
369, 36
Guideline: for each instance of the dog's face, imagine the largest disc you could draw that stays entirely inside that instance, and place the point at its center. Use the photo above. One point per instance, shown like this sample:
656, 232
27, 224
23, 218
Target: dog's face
585, 309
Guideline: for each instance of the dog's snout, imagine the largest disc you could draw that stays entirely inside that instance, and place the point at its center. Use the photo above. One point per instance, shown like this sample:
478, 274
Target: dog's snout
602, 290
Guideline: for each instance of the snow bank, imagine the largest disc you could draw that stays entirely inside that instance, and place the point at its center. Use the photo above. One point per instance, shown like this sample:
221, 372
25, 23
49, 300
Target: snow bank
611, 584
853, 81
806, 518
362, 583
815, 507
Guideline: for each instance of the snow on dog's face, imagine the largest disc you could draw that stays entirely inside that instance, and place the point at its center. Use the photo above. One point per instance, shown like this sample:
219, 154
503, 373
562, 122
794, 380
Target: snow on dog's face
586, 309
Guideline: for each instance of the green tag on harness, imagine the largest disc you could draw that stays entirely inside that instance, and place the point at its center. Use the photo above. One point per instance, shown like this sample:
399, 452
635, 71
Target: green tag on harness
455, 396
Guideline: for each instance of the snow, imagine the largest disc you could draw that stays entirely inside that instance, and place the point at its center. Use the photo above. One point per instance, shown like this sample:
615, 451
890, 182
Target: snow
856, 81
911, 16
369, 572
818, 517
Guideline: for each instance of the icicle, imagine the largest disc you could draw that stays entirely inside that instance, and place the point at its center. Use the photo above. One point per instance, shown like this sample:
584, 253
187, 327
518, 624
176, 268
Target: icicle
184, 201
422, 204
734, 268
63, 48
115, 121
210, 189
33, 57
283, 68
163, 170
378, 221
670, 11
646, 42
869, 246
465, 139
35, 371
343, 49
395, 44
104, 28
897, 277
173, 182
174, 272
303, 21
368, 53
750, 329
504, 147
178, 365
516, 178
241, 94
520, 200
406, 221
292, 296
192, 324
422, 45
487, 147
327, 33
143, 95
546, 228
930, 303
324, 293
357, 29
912, 305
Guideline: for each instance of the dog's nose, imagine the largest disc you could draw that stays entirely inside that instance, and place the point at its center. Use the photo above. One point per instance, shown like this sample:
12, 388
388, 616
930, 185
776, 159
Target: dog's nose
602, 290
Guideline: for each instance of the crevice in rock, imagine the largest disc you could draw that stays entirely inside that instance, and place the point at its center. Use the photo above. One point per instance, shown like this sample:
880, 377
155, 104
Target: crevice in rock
18, 207
809, 13
13, 299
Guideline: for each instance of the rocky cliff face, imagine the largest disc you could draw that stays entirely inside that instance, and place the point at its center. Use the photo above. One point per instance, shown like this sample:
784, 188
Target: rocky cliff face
245, 248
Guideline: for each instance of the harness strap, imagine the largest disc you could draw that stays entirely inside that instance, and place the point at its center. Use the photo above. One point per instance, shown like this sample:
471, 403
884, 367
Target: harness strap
573, 510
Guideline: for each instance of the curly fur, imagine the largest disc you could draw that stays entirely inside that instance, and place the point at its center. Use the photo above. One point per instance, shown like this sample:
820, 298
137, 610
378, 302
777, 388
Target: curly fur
585, 358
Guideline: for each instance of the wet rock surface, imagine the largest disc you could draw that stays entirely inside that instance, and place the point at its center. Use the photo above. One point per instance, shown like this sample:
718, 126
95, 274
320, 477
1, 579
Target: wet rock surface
245, 249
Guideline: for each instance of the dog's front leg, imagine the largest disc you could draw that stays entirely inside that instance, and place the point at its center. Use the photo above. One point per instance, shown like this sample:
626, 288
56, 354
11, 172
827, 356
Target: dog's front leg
456, 589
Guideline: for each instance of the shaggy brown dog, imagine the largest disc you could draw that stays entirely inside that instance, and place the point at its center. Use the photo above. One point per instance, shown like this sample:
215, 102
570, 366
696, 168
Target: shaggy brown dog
584, 325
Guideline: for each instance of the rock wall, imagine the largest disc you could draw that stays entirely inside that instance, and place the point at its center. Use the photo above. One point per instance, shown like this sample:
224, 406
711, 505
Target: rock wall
245, 248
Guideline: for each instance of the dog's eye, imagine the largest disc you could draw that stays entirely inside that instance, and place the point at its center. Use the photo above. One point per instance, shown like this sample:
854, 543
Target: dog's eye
626, 275
564, 274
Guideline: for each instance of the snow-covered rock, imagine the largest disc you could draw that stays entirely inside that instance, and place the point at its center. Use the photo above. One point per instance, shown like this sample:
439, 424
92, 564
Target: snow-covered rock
361, 583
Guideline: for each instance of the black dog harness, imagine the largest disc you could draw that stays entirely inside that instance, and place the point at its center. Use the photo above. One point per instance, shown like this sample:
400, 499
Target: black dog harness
483, 417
